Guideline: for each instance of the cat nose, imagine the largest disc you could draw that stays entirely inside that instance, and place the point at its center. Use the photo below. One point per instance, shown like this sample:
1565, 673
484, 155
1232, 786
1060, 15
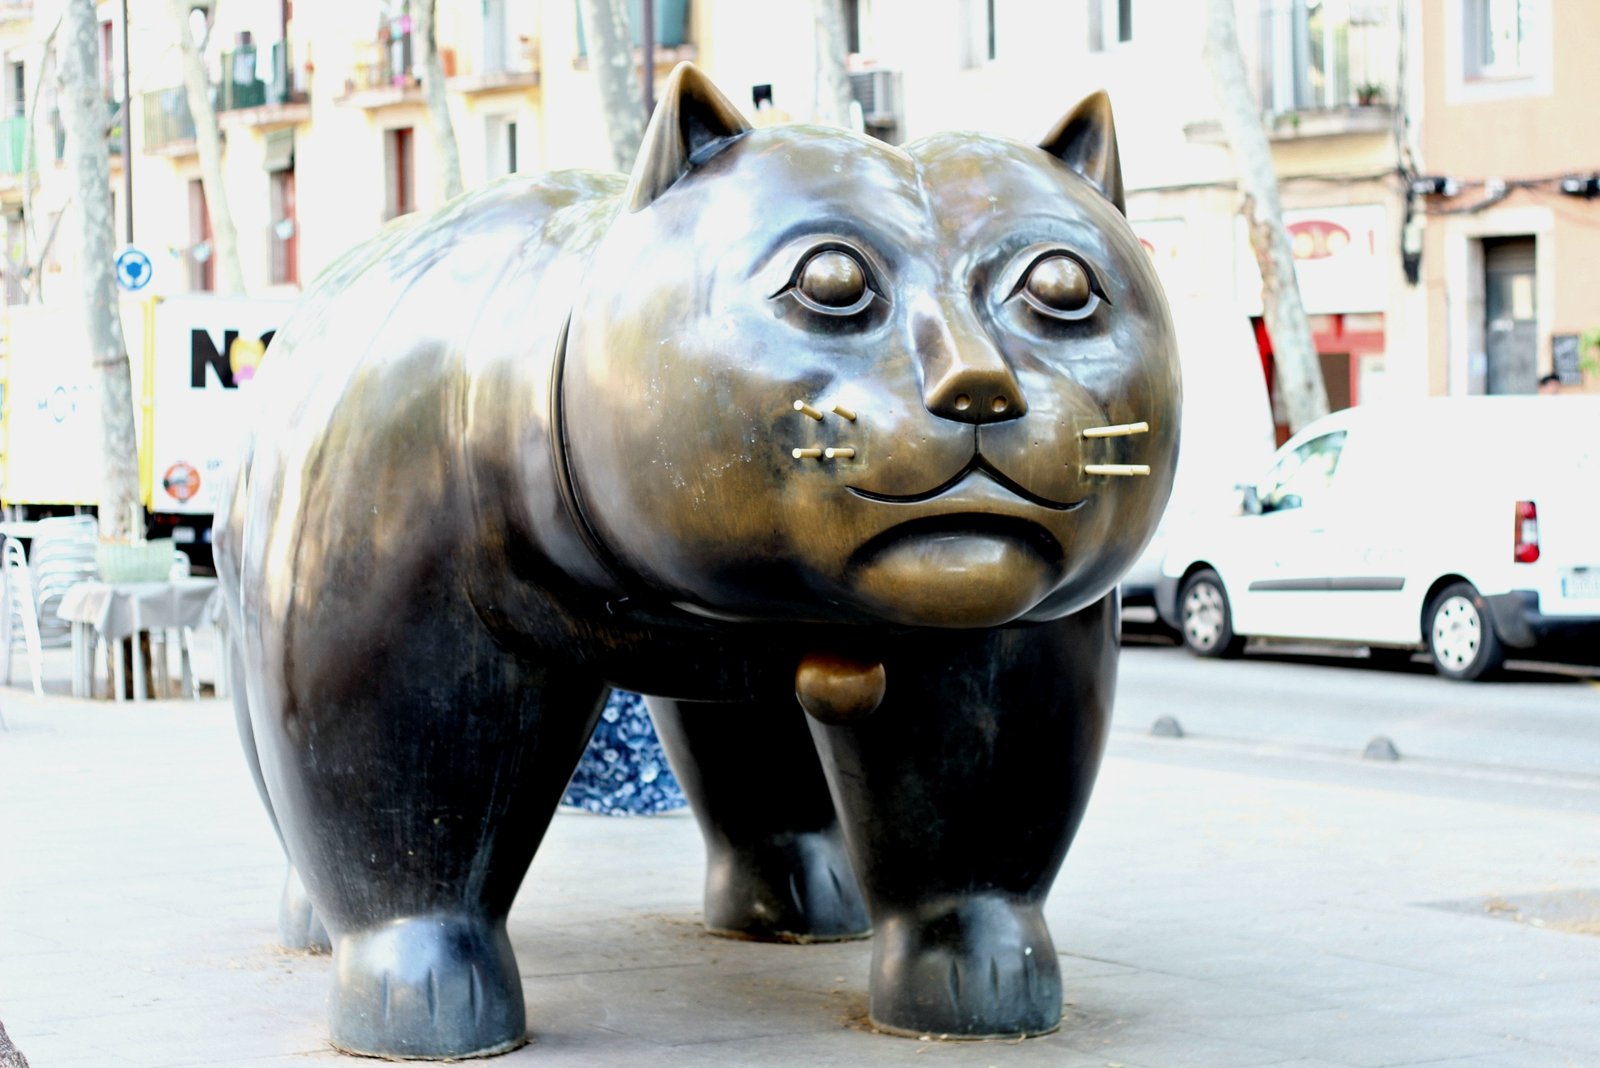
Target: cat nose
965, 378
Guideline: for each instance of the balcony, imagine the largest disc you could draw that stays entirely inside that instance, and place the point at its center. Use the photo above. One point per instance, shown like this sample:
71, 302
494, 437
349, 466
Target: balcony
1322, 69
498, 73
168, 125
382, 74
243, 97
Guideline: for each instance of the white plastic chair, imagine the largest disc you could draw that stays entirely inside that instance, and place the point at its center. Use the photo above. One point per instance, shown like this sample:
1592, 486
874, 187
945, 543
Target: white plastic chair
21, 617
62, 555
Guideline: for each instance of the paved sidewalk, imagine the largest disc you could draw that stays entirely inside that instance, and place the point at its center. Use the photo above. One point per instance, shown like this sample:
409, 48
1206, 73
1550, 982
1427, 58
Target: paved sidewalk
1221, 907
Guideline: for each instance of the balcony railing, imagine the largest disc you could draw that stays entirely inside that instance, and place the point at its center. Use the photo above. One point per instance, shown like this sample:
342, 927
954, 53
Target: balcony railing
254, 77
167, 122
55, 140
1327, 56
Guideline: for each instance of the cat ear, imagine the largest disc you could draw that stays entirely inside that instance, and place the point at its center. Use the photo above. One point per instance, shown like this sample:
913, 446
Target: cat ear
1086, 141
693, 120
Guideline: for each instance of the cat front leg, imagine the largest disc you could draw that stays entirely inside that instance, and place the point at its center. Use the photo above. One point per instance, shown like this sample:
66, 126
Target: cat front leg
959, 796
413, 786
776, 868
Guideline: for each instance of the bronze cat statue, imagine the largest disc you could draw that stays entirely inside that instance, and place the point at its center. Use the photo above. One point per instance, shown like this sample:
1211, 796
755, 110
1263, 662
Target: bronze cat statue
788, 413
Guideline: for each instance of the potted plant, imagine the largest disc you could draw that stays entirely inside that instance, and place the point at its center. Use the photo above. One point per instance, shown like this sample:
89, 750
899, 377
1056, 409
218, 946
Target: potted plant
1369, 93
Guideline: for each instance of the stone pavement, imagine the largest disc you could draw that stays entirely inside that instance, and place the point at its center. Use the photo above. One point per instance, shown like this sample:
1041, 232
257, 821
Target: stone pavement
1224, 905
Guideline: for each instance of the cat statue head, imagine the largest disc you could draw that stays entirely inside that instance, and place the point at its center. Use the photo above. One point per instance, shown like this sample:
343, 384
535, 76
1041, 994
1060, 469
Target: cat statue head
813, 376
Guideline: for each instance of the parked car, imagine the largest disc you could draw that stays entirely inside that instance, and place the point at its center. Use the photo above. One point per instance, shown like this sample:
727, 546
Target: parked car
1466, 526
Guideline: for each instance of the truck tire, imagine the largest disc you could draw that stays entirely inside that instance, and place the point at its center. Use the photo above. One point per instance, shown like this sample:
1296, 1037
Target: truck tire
1206, 620
1461, 637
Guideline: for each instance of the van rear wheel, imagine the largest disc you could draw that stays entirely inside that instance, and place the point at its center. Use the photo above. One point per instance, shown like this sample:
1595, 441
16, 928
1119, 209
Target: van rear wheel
1206, 621
1461, 637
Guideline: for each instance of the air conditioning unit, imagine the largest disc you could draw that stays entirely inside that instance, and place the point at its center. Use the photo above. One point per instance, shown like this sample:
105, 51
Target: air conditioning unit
878, 93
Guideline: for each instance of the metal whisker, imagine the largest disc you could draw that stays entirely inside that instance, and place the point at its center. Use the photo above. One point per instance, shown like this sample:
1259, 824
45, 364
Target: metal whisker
1116, 430
805, 409
1116, 470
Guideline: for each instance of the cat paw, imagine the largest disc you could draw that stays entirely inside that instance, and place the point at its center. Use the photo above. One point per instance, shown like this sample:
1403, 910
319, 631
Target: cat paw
438, 987
983, 969
793, 888
300, 929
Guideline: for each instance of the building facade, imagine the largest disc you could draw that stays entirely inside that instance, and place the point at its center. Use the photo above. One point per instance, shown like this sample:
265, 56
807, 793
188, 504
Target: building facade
1510, 143
1411, 291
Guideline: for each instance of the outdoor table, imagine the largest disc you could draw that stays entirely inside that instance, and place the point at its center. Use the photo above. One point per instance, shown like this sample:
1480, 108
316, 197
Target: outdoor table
117, 611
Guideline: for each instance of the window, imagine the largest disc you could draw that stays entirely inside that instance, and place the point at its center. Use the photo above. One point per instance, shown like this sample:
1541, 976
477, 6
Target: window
1110, 23
1303, 475
285, 229
494, 36
978, 33
202, 262
672, 23
400, 172
501, 136
852, 26
109, 87
1499, 38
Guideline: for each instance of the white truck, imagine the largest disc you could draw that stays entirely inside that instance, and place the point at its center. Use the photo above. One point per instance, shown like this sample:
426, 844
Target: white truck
193, 357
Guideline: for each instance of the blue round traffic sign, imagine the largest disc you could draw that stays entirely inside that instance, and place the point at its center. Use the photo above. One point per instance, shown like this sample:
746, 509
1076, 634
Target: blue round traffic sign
133, 269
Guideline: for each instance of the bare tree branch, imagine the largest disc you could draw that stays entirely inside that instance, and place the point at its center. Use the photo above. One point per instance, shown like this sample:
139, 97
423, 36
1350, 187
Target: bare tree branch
1300, 385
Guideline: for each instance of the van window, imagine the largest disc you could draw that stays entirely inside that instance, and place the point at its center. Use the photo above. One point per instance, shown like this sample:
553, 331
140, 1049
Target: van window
1302, 476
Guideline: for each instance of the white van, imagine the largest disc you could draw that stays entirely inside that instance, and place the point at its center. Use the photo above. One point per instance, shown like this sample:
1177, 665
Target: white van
1469, 526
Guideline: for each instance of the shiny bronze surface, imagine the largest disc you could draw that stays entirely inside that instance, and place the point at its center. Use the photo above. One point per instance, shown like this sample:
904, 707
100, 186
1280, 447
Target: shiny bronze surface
784, 391
837, 689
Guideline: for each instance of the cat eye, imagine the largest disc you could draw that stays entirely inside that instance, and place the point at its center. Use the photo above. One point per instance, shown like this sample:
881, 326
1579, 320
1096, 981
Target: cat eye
1054, 283
1059, 284
833, 282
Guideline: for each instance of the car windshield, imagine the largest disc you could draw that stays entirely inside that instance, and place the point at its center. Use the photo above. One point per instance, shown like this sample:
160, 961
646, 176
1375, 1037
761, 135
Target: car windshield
1303, 474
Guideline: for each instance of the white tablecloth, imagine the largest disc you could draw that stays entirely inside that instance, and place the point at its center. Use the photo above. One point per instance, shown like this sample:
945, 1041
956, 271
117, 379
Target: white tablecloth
117, 610
120, 610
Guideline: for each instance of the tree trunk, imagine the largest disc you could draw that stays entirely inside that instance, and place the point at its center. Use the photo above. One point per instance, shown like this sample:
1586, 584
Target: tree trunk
444, 133
83, 112
1300, 386
208, 146
832, 104
610, 41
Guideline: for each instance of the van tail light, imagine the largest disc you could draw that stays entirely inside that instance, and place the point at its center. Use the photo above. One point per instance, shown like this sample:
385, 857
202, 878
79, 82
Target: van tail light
1526, 547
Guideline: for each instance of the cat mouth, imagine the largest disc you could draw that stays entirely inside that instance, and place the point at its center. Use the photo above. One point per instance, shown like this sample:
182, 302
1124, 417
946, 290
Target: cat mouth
978, 466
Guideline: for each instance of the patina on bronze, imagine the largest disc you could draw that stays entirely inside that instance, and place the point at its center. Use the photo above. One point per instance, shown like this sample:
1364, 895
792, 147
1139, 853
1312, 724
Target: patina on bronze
788, 410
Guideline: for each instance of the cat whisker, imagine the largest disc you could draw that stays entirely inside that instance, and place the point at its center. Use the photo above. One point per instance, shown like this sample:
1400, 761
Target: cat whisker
805, 454
838, 454
805, 409
1116, 430
1117, 470
844, 413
